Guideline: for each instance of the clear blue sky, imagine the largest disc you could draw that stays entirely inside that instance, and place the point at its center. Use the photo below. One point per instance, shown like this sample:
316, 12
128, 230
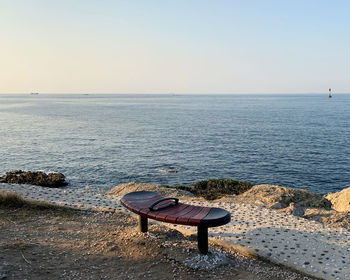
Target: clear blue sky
174, 46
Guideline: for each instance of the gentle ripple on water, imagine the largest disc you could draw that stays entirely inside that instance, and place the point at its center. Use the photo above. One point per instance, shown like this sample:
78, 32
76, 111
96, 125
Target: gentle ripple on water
103, 140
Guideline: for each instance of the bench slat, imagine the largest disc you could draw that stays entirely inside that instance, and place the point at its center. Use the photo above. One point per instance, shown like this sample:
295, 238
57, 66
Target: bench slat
139, 204
196, 219
138, 201
145, 211
161, 215
184, 220
172, 219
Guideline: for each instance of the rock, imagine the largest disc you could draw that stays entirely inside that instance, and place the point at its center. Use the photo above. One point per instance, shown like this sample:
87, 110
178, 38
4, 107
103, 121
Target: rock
206, 262
4, 269
340, 200
170, 170
132, 187
277, 205
51, 180
294, 209
3, 275
259, 202
271, 195
329, 217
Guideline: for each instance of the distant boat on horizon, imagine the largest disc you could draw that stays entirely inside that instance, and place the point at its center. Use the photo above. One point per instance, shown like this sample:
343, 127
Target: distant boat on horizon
330, 93
34, 93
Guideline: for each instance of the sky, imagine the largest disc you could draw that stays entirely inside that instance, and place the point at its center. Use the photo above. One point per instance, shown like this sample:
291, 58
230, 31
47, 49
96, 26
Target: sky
178, 46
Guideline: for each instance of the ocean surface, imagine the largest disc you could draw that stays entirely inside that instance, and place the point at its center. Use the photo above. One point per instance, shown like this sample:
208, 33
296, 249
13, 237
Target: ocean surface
100, 141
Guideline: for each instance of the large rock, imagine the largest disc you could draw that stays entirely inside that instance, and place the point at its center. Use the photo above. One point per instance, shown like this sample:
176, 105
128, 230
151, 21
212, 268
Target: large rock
270, 196
133, 187
329, 217
340, 200
294, 209
51, 180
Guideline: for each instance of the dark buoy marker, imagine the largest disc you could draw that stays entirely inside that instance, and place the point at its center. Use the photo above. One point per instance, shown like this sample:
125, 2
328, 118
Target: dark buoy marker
330, 93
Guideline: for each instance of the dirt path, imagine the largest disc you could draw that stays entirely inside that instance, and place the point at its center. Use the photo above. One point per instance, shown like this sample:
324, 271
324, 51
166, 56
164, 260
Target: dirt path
67, 244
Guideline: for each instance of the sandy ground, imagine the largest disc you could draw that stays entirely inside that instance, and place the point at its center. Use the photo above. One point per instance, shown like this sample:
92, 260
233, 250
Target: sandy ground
69, 244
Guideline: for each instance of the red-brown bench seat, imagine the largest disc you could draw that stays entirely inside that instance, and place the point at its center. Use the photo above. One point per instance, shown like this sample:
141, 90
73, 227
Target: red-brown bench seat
154, 206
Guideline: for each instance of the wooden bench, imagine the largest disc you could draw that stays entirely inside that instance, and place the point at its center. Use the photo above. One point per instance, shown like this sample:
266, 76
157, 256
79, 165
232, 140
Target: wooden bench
168, 209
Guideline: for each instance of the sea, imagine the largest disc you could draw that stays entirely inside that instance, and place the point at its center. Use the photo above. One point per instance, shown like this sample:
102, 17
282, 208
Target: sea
99, 140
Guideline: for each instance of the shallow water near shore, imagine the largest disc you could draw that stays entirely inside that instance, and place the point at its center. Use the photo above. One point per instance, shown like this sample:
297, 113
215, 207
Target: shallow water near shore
104, 140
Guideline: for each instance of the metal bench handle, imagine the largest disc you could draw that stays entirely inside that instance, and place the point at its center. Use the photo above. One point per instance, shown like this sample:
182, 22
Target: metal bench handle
176, 201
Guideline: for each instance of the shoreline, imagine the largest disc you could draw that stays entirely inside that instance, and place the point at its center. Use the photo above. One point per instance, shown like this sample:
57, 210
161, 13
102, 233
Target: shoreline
307, 246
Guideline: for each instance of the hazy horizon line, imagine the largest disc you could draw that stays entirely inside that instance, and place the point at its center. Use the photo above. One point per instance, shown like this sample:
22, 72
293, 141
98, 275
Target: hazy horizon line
168, 93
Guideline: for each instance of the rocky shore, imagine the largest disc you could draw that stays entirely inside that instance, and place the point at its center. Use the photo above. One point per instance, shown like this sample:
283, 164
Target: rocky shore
287, 226
39, 178
331, 209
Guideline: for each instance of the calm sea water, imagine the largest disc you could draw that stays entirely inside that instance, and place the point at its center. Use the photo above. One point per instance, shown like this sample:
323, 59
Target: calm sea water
298, 141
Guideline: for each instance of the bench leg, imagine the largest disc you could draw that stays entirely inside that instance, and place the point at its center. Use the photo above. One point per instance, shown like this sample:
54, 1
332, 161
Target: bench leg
203, 239
143, 224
